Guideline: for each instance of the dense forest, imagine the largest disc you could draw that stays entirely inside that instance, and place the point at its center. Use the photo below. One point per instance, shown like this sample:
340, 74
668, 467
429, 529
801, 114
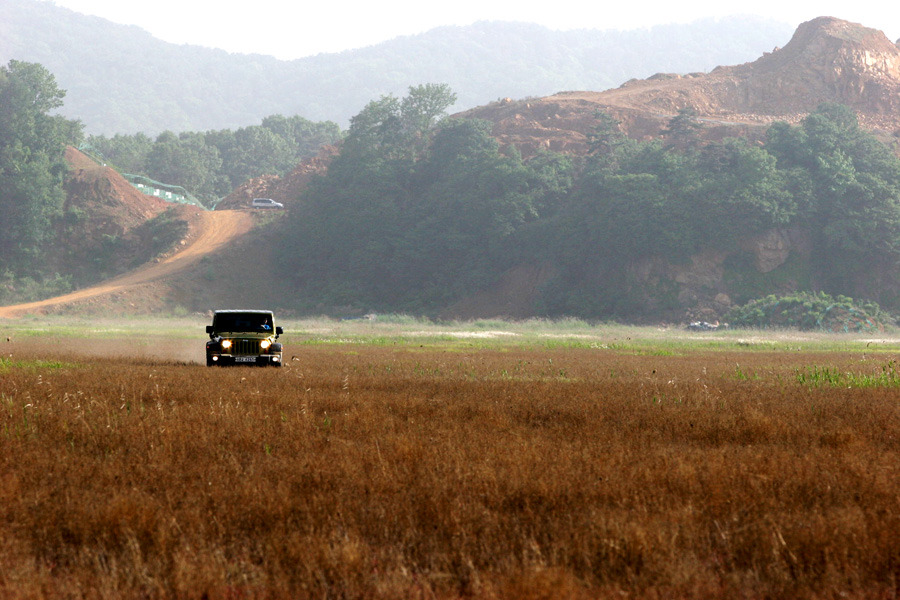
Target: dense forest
420, 210
212, 164
121, 80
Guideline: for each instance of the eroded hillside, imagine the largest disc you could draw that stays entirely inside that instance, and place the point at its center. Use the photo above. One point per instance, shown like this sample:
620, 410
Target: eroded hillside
827, 60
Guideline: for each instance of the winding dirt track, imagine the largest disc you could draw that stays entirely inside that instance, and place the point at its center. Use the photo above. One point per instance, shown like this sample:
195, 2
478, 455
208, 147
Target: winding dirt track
214, 229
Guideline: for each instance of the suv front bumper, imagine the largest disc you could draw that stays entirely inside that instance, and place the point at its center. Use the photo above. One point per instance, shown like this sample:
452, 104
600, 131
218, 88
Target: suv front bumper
263, 360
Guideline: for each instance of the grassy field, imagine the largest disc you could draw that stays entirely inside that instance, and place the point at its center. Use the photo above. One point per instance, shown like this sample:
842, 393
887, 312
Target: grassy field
403, 459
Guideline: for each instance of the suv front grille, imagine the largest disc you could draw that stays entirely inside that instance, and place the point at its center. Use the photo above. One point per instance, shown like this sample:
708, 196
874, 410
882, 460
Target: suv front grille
244, 347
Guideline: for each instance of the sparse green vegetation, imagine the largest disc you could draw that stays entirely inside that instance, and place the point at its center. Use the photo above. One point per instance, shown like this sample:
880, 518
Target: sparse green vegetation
15, 288
886, 375
414, 332
160, 234
33, 365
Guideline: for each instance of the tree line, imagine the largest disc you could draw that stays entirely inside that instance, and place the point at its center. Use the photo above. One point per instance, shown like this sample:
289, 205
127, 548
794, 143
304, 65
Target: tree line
416, 209
675, 196
419, 210
212, 164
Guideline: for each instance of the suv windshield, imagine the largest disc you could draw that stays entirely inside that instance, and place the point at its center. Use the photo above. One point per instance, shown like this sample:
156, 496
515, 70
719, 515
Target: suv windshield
243, 322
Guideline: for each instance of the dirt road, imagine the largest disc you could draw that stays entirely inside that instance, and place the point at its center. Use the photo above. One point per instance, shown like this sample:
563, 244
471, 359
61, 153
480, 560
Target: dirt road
212, 230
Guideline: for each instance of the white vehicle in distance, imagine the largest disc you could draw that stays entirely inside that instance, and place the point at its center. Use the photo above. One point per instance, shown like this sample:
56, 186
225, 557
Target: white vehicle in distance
265, 203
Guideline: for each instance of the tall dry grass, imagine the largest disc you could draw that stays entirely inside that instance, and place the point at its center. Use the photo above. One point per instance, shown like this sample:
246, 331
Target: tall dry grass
371, 472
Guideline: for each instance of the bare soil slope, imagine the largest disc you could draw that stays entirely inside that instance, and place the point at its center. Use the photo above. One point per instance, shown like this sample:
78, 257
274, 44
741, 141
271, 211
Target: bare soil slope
112, 204
102, 232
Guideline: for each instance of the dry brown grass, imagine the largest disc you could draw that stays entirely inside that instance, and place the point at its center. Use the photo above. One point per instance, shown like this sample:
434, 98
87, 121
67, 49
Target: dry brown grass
372, 472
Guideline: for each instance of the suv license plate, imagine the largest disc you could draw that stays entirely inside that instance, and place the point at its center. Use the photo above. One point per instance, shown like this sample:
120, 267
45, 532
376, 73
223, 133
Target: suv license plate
245, 359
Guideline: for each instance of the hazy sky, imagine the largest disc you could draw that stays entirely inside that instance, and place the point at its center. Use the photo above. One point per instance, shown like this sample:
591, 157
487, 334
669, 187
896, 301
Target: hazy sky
290, 29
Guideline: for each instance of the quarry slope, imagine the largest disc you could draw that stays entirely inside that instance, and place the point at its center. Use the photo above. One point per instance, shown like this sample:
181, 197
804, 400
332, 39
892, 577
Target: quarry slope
827, 60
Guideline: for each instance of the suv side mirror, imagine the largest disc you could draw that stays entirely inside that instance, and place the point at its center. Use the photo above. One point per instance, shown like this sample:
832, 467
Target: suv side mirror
278, 330
209, 329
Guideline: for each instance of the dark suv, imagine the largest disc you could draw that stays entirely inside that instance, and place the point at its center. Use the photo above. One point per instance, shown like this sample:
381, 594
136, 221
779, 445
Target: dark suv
243, 337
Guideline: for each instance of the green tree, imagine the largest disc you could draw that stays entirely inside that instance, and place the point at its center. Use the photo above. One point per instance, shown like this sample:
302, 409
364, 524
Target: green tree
606, 137
258, 151
306, 137
397, 129
852, 202
683, 128
32, 143
473, 199
416, 209
187, 161
190, 159
127, 153
346, 228
742, 192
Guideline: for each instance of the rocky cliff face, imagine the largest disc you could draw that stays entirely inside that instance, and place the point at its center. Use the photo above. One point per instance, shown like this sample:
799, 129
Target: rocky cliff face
714, 281
827, 59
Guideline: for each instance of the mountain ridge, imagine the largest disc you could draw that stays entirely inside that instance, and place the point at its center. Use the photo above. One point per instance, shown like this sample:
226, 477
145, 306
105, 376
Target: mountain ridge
122, 80
827, 60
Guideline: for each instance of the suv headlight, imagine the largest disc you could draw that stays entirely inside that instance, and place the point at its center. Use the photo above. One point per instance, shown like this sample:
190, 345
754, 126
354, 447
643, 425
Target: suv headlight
265, 344
226, 344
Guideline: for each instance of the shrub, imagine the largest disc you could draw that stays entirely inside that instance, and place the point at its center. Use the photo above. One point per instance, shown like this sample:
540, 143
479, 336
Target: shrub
811, 311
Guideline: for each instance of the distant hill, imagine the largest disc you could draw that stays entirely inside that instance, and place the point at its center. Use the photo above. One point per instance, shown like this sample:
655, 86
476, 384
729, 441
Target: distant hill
826, 60
120, 79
